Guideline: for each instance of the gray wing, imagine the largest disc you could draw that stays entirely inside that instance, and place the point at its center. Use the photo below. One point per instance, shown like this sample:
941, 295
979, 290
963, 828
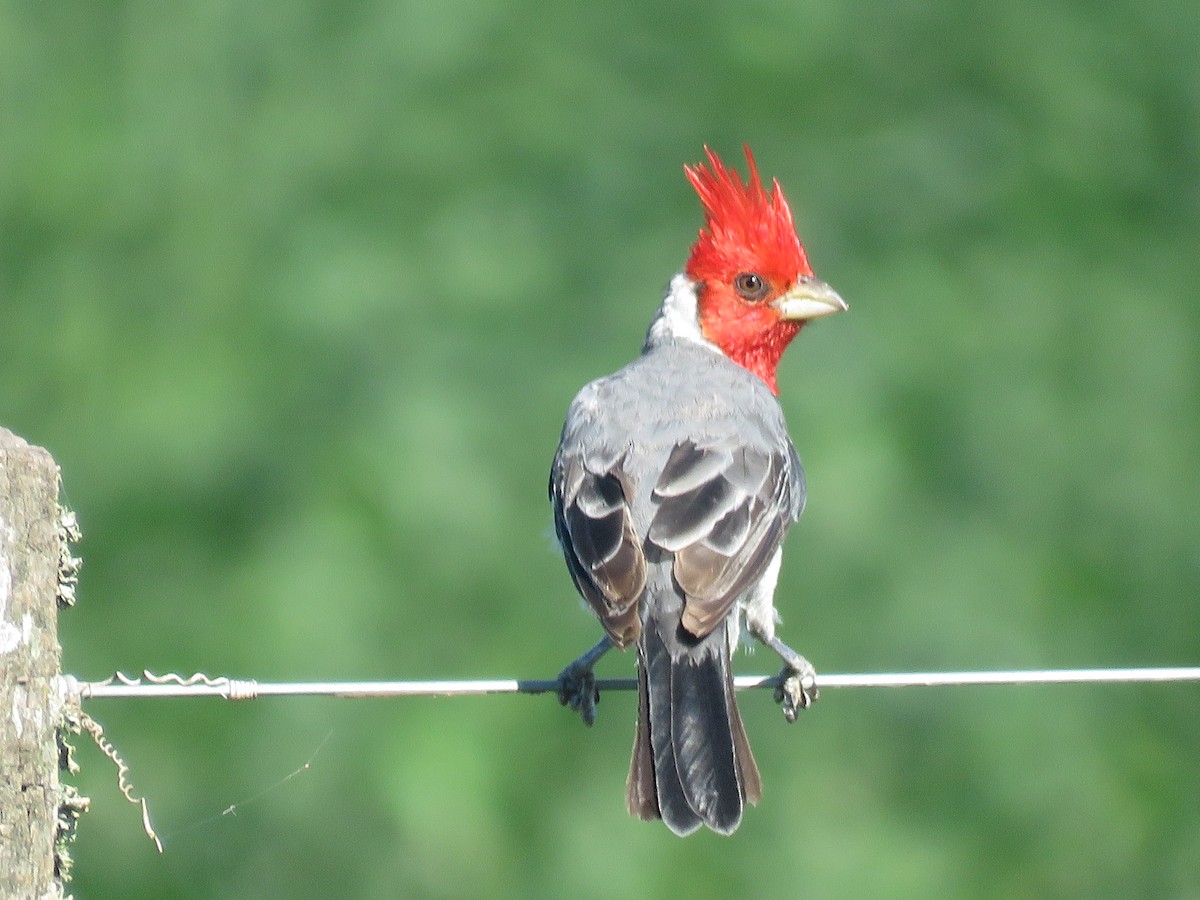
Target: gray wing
594, 525
723, 510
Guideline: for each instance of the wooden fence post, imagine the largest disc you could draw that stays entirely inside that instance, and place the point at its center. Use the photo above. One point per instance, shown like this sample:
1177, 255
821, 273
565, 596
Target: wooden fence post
30, 701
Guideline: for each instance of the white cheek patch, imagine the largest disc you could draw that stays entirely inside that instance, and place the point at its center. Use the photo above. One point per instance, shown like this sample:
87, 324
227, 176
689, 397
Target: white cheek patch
678, 318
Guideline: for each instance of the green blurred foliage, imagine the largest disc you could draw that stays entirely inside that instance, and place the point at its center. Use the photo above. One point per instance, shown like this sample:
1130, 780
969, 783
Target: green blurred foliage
297, 294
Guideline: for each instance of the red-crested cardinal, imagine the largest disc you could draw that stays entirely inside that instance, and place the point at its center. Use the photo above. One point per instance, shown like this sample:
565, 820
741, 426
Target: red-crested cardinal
673, 486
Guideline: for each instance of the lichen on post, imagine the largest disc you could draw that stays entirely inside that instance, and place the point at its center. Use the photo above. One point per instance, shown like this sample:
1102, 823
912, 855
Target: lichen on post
30, 701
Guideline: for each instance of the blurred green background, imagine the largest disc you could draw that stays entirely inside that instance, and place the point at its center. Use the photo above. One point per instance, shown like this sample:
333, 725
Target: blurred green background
297, 295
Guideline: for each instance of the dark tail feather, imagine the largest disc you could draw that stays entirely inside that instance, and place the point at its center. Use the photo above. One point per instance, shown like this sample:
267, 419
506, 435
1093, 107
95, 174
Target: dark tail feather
751, 780
670, 791
692, 763
641, 795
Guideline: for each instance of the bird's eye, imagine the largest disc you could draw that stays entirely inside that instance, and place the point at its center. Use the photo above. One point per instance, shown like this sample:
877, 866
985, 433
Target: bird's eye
750, 286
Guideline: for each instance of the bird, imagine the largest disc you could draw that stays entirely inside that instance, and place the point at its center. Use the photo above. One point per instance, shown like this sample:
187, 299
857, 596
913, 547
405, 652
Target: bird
673, 486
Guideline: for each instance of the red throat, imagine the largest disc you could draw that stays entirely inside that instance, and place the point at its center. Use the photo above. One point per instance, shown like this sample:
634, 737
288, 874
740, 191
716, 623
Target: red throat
753, 341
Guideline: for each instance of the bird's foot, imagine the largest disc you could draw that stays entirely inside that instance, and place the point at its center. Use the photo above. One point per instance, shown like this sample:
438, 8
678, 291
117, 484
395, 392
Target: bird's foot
577, 683
577, 689
798, 688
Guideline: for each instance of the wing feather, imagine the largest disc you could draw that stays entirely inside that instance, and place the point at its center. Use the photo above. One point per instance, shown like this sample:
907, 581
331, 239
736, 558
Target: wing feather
723, 511
688, 467
594, 524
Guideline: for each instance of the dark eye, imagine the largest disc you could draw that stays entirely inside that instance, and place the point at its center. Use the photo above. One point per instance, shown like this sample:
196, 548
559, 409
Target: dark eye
752, 287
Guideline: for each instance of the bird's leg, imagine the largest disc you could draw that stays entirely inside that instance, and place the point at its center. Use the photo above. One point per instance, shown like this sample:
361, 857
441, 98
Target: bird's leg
577, 682
798, 688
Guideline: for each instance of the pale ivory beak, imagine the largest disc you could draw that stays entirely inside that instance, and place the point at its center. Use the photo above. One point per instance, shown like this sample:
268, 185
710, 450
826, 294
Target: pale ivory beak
811, 298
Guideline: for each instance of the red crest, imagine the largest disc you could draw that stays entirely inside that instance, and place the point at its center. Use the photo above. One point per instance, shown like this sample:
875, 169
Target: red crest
743, 219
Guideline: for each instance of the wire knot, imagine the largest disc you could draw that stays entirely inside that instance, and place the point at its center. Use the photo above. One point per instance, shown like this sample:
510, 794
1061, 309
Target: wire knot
241, 689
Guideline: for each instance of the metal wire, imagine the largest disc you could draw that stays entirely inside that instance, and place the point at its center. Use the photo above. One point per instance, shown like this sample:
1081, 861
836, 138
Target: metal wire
96, 730
200, 685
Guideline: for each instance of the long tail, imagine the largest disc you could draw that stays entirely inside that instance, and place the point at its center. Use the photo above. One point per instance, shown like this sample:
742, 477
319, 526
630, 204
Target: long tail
692, 763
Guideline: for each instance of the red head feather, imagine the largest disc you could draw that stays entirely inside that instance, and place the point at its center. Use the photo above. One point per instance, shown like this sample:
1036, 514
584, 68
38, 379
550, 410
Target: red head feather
741, 221
748, 234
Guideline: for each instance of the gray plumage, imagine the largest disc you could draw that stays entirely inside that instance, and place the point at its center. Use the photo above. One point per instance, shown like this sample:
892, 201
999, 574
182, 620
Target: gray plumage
673, 486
